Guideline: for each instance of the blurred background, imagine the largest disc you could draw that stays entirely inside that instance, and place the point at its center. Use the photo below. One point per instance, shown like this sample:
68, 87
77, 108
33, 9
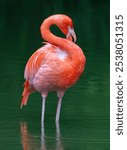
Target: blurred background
84, 122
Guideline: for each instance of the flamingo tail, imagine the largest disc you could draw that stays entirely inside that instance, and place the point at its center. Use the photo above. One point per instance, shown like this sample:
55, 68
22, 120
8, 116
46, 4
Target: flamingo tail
26, 92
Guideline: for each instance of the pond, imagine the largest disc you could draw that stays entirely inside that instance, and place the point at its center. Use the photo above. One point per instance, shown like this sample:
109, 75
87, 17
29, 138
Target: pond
84, 121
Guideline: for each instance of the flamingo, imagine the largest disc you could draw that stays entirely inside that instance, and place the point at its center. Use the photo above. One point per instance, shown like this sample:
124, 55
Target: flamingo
56, 66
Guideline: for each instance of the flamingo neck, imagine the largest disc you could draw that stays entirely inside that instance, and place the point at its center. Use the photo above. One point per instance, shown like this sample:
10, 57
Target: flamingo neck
75, 53
51, 38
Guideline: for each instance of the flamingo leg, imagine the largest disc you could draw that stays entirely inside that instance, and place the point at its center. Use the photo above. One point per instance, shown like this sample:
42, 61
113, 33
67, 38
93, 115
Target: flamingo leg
60, 95
57, 130
58, 109
43, 110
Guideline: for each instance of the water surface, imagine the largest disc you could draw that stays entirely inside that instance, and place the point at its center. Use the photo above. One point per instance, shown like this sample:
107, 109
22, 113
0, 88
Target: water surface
84, 122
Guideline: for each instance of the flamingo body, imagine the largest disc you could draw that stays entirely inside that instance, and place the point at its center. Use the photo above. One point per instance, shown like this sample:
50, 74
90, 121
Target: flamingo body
56, 66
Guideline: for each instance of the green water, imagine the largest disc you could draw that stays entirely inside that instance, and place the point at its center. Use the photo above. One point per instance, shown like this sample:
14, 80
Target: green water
84, 122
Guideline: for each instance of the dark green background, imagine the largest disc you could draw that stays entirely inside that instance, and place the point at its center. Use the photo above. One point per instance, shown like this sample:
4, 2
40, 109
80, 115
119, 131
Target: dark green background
84, 122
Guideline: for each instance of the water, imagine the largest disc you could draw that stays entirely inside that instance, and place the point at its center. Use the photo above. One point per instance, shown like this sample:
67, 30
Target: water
84, 122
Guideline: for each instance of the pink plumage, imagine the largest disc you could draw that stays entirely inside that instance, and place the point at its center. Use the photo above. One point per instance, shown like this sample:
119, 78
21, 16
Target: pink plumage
57, 65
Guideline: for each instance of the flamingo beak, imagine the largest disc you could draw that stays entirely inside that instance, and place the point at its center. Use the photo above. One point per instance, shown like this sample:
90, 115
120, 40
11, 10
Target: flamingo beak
71, 34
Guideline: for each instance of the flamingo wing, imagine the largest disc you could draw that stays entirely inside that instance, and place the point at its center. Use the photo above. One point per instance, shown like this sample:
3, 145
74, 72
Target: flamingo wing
48, 69
34, 63
31, 69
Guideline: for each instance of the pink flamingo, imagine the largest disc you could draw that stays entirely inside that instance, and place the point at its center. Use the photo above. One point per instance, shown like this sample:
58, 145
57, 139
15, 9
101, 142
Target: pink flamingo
57, 65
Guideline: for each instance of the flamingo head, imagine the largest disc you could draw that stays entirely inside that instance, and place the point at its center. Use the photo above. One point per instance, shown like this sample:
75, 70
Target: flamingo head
66, 26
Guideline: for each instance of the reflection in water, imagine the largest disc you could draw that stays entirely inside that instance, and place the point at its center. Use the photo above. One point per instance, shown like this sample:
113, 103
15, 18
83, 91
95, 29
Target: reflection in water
30, 143
58, 137
43, 144
27, 138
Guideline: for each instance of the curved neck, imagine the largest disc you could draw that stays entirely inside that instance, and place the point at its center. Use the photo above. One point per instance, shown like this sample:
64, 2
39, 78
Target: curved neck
74, 51
51, 38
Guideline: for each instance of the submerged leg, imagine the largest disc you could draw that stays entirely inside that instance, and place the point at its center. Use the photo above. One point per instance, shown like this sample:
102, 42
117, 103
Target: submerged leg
60, 95
57, 131
43, 144
59, 145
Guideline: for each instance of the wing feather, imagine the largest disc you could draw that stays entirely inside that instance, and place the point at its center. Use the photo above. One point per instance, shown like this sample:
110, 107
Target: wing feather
34, 63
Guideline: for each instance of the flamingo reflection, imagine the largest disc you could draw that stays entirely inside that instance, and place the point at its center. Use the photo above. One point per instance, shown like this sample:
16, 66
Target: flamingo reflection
30, 141
59, 145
